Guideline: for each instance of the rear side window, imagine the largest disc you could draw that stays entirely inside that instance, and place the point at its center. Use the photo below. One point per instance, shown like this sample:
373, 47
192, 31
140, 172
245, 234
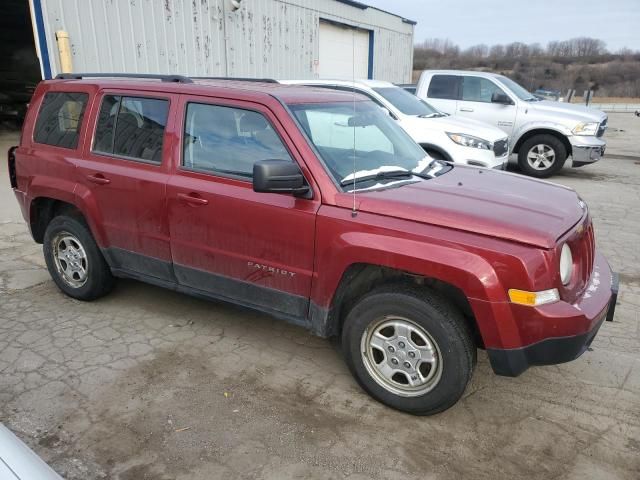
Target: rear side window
131, 127
444, 86
228, 141
60, 119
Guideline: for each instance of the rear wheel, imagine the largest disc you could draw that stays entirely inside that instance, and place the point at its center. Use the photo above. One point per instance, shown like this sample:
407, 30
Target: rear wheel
409, 348
542, 156
74, 260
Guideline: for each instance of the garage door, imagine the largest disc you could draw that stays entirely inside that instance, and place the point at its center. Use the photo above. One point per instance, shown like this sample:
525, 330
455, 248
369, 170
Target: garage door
342, 48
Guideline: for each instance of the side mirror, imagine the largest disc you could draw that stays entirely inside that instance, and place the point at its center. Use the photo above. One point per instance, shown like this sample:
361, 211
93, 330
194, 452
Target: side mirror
502, 98
278, 176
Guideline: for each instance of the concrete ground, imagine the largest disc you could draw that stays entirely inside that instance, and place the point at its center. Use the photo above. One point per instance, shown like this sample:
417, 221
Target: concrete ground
151, 384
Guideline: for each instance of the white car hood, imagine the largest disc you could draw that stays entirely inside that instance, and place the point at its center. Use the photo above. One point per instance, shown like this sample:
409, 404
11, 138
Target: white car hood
417, 127
577, 111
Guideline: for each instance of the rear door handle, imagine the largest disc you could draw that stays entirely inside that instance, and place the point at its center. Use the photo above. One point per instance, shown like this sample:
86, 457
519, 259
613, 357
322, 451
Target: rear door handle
98, 178
465, 109
192, 199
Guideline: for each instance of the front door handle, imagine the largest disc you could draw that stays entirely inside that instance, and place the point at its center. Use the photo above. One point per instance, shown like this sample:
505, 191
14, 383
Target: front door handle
98, 178
466, 109
192, 199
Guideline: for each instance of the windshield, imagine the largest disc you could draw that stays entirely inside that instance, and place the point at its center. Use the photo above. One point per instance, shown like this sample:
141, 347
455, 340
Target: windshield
359, 138
405, 102
519, 91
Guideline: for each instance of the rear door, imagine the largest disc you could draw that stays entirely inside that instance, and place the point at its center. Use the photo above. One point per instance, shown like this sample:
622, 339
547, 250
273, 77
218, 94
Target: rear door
443, 92
475, 102
255, 249
123, 174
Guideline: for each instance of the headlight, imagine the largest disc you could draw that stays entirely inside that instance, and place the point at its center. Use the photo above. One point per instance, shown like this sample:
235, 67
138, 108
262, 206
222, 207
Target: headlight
469, 141
586, 128
566, 264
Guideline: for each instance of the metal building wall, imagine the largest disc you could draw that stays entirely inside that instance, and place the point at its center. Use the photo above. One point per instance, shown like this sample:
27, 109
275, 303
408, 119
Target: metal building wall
263, 38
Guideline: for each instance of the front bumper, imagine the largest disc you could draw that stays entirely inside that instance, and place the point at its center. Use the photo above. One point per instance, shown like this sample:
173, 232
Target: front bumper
586, 150
595, 309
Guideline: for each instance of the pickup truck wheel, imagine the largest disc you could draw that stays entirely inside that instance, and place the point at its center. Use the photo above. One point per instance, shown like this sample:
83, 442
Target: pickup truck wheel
74, 261
541, 156
409, 348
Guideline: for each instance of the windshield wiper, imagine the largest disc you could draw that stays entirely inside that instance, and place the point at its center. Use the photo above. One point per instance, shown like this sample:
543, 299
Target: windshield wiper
430, 115
382, 175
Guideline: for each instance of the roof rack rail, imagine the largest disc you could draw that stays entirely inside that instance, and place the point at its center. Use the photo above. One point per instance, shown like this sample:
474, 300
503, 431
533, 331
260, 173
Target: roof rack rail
239, 79
164, 78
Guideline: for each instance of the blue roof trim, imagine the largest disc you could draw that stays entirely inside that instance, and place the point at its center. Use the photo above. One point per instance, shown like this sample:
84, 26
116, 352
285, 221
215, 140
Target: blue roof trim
363, 6
42, 39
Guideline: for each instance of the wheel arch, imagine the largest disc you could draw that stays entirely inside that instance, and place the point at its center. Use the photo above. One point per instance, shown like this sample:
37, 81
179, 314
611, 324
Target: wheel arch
560, 135
43, 209
429, 146
360, 278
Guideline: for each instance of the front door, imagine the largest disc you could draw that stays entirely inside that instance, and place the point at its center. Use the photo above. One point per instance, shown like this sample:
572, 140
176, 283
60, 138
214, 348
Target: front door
123, 174
475, 102
228, 241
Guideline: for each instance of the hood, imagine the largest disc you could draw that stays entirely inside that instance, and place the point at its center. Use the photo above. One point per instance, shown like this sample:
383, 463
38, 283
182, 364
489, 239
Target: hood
492, 203
580, 112
453, 124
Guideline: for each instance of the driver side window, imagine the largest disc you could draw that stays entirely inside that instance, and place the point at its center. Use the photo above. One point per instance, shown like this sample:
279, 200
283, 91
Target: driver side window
476, 89
227, 141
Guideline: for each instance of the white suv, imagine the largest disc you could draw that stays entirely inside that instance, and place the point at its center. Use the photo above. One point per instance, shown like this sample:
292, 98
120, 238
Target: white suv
444, 137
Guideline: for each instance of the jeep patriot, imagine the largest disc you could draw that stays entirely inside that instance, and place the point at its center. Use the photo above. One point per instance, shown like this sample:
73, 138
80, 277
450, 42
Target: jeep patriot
314, 206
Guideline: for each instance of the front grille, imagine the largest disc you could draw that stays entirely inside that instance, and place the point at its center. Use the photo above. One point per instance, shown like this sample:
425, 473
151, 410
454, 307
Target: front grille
584, 247
602, 128
501, 147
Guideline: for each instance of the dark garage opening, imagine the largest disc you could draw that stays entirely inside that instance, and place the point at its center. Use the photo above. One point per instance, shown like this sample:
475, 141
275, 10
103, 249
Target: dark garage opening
19, 68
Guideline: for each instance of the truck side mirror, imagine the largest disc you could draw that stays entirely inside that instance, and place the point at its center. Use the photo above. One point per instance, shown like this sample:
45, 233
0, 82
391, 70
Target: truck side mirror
279, 176
502, 98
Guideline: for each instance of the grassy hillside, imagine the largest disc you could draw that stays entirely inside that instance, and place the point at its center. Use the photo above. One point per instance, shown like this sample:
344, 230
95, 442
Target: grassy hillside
579, 63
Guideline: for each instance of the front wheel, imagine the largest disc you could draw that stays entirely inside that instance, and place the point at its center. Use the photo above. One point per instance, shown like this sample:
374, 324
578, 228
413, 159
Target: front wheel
542, 156
409, 348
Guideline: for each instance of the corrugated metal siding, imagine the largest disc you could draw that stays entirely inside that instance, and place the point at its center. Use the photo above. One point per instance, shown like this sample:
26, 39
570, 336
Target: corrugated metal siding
264, 38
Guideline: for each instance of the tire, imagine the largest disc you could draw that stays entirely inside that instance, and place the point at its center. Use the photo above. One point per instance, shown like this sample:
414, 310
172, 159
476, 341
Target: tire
74, 260
402, 319
542, 156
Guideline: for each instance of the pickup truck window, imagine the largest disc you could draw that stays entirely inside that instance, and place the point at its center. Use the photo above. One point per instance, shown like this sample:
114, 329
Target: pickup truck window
228, 141
445, 87
517, 89
342, 131
407, 103
131, 127
478, 89
60, 118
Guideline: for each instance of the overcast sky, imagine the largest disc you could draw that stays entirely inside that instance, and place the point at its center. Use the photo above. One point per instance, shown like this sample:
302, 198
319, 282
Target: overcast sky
470, 22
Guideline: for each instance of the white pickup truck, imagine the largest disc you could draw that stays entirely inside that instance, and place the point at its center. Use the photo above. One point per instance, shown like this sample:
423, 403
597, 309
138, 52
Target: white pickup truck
543, 133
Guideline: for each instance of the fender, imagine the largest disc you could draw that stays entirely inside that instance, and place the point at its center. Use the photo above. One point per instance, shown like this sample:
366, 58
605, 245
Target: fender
464, 269
538, 125
65, 191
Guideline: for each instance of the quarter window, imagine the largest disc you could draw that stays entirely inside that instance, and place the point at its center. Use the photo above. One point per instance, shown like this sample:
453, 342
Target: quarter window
131, 127
476, 89
60, 119
228, 141
444, 87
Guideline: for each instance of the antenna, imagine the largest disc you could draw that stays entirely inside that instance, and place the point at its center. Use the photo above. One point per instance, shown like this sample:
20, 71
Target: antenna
354, 212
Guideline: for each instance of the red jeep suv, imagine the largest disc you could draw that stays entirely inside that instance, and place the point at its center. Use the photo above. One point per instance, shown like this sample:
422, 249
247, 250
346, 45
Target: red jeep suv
311, 205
